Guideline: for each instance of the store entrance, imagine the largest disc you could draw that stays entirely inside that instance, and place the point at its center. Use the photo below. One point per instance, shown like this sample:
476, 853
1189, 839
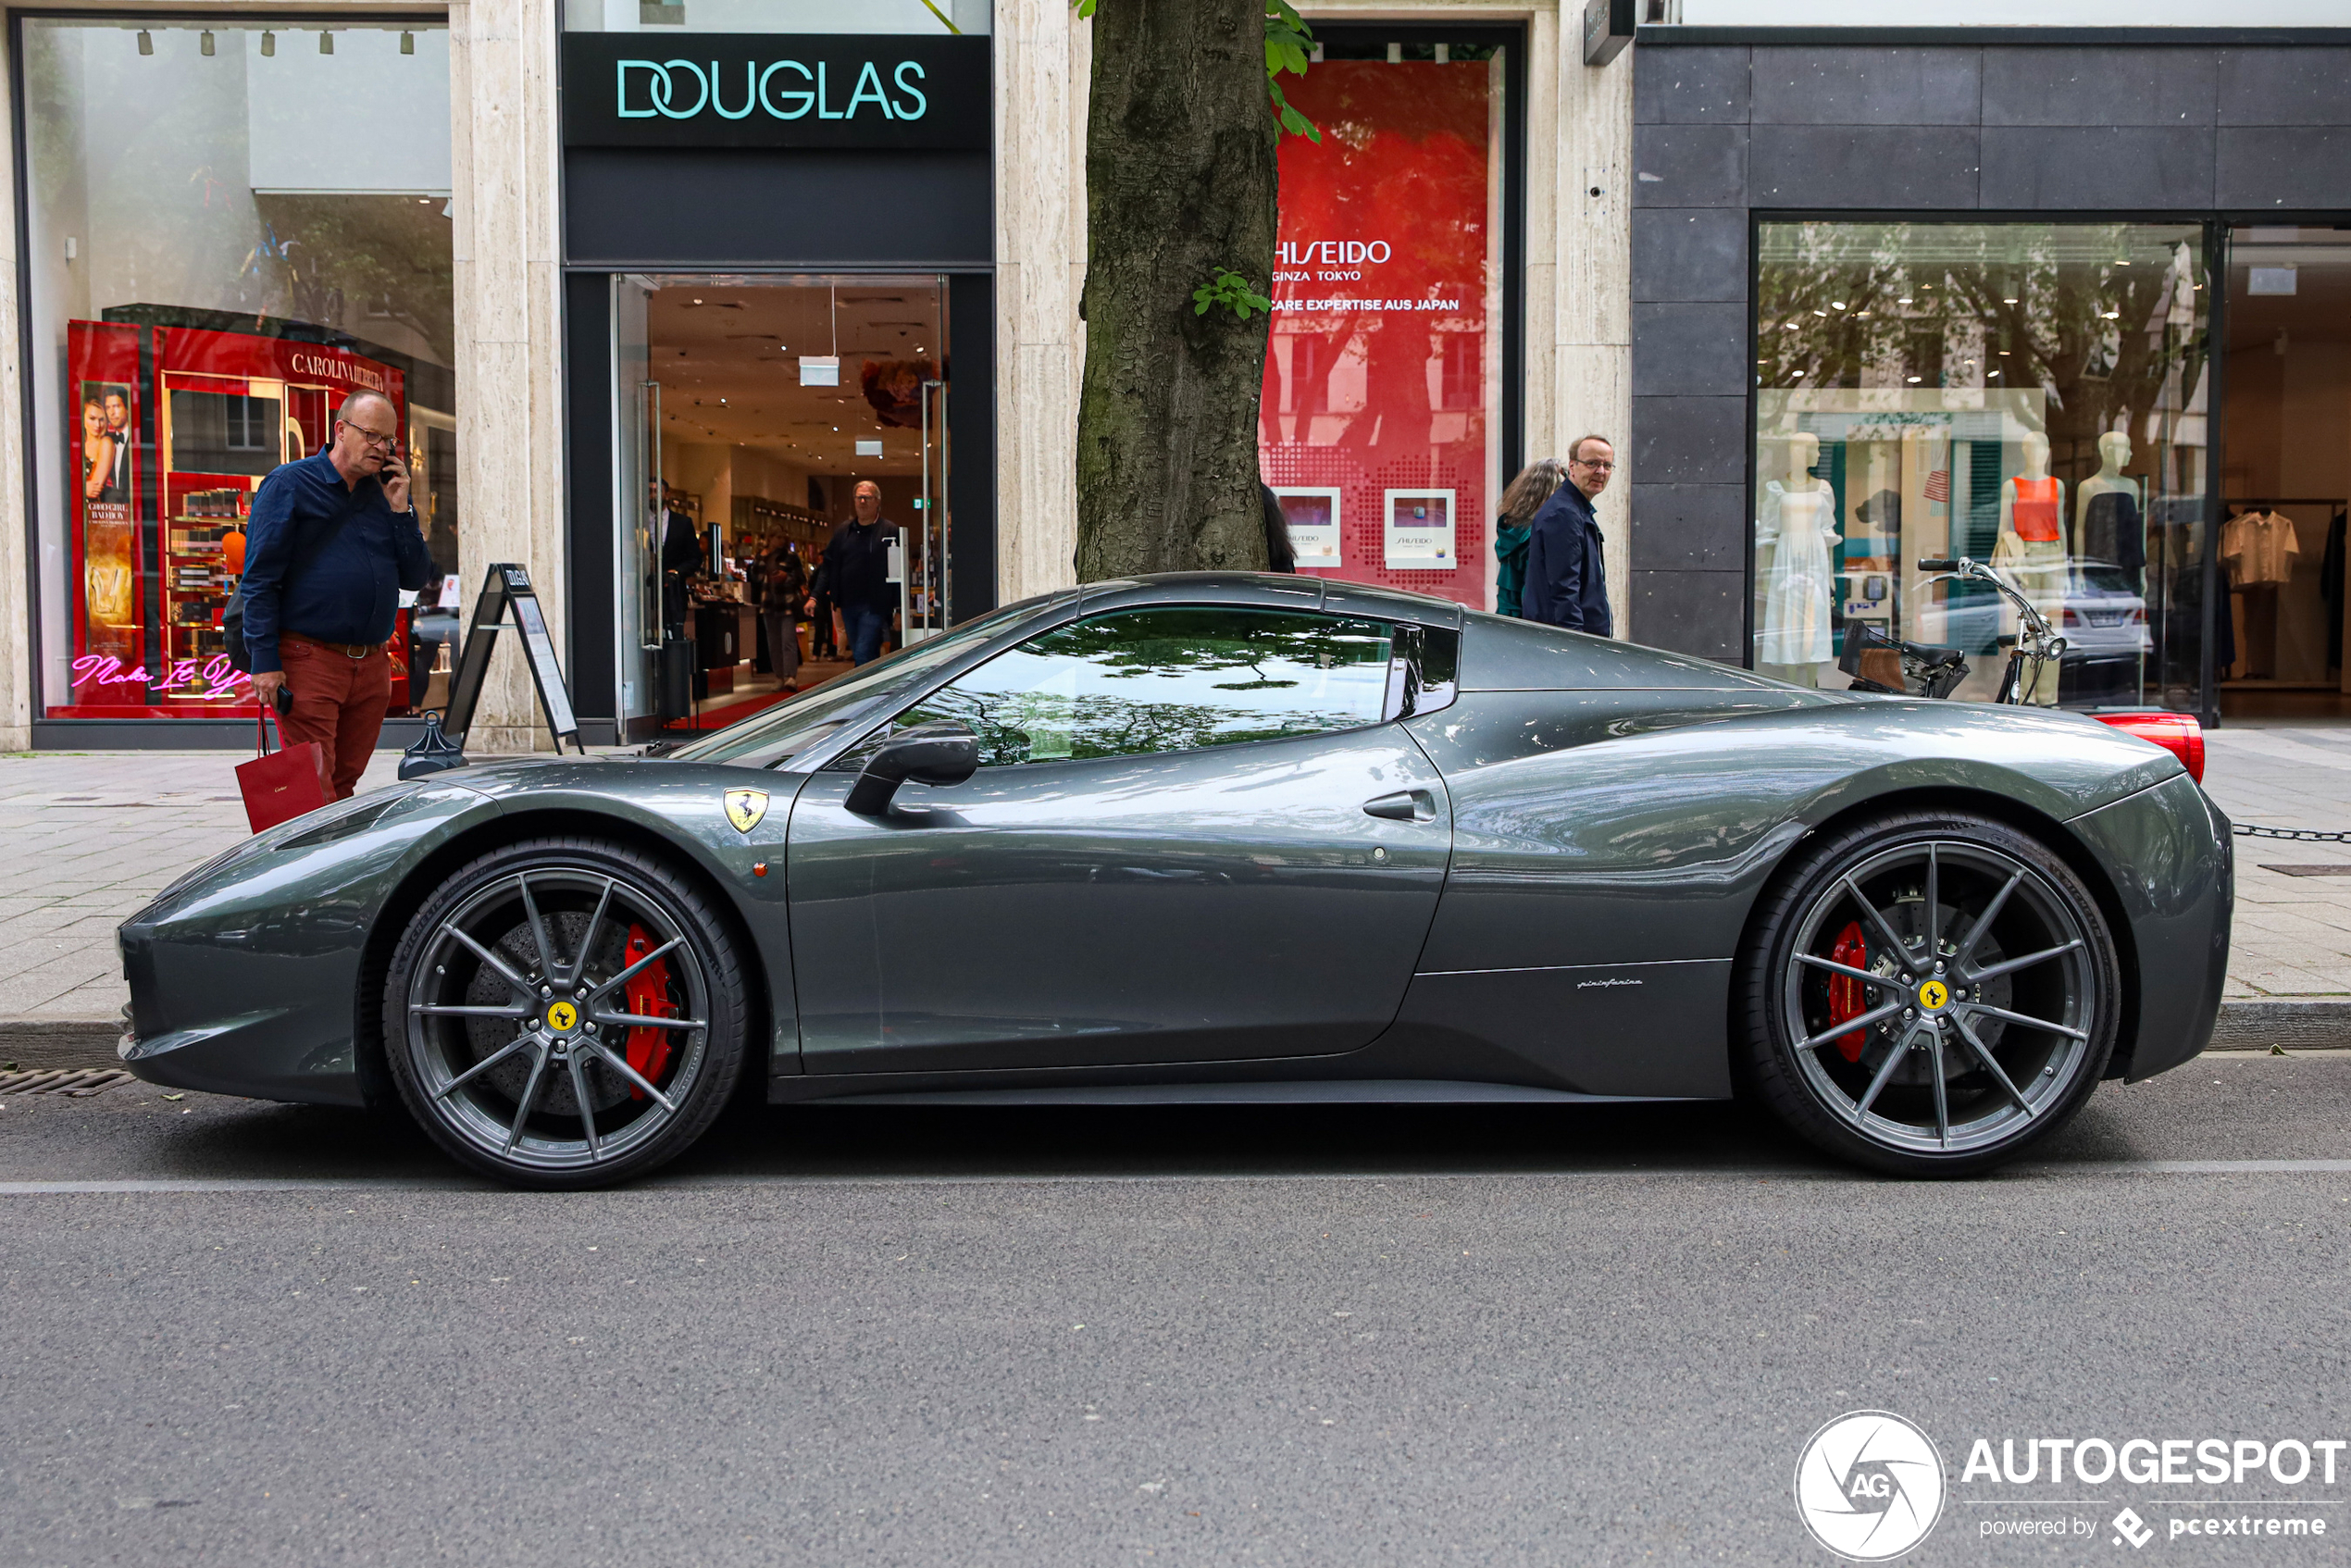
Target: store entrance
2285, 477
749, 413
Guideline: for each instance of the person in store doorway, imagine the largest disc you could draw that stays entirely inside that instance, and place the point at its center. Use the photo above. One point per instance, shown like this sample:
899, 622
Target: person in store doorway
857, 562
787, 592
1566, 579
331, 544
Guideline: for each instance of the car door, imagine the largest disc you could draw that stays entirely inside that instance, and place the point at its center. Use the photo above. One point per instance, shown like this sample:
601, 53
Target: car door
1165, 856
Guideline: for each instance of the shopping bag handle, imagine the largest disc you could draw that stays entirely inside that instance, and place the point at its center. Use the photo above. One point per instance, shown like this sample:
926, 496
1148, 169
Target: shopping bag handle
261, 728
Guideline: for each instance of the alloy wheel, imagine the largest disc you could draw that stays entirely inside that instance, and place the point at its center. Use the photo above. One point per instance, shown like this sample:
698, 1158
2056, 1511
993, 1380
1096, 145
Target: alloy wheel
557, 1019
1941, 997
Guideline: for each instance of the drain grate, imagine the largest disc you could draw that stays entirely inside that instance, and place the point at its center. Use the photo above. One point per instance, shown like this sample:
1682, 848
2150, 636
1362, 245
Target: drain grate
78, 1082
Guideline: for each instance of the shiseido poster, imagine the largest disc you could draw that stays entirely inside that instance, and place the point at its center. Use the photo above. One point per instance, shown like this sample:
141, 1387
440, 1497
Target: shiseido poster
103, 457
1382, 382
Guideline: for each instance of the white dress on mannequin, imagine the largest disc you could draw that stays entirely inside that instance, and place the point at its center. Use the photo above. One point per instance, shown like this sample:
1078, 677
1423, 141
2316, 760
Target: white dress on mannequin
1801, 580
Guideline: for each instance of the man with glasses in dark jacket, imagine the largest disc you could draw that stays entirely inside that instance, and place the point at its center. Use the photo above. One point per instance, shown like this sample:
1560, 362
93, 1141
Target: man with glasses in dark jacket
1566, 579
857, 574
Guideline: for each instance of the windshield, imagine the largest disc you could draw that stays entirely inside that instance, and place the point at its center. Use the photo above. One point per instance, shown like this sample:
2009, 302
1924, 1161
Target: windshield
769, 739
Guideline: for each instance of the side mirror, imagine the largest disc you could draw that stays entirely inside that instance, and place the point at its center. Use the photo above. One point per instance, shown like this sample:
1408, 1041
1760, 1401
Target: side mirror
928, 753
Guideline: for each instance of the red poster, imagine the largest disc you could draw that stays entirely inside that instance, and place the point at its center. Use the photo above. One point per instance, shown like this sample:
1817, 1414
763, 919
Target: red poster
109, 549
1380, 402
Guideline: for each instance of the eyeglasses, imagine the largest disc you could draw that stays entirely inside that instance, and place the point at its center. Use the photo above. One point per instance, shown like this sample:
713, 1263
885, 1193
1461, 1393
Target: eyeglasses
371, 437
1599, 468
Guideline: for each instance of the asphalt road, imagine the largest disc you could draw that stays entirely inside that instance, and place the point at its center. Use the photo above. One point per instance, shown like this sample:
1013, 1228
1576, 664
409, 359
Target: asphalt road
1354, 1336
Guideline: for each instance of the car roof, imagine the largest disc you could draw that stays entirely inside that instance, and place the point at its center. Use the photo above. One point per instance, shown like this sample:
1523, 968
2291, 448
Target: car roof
1273, 590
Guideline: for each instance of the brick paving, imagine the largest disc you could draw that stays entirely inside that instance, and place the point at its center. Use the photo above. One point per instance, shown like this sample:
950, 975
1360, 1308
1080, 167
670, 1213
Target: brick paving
86, 838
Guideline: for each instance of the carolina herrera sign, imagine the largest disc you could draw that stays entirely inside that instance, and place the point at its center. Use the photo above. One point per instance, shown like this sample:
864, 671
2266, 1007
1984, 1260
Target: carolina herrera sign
676, 89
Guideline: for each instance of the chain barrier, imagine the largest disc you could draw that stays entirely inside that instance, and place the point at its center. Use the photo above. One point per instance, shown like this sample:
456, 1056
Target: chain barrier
2291, 835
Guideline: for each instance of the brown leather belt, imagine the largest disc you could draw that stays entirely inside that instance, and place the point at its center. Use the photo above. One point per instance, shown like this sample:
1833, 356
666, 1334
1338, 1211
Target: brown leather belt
348, 650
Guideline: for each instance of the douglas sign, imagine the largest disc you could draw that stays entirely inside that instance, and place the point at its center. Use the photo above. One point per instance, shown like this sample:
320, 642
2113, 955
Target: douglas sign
767, 90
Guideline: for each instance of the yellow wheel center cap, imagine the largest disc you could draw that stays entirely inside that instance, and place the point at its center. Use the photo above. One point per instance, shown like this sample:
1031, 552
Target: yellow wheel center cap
1934, 996
563, 1016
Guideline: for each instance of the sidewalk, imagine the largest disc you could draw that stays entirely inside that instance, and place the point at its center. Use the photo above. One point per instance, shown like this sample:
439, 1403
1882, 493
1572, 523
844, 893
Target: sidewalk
86, 838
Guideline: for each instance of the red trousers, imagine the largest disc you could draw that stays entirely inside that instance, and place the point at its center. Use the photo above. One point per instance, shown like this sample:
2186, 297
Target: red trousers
338, 702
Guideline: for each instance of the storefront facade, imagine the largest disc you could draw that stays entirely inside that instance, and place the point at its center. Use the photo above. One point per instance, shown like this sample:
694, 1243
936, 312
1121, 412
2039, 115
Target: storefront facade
2078, 305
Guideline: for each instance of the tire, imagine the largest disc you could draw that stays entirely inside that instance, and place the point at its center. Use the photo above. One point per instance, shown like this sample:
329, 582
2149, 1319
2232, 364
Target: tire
1944, 1066
557, 973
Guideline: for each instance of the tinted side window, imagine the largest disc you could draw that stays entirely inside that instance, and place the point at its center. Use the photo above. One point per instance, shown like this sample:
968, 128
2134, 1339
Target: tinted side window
1171, 680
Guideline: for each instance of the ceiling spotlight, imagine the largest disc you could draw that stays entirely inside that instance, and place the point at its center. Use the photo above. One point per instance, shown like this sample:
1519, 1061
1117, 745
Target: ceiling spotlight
1836, 304
146, 41
1904, 300
204, 43
268, 46
1799, 372
1914, 380
2007, 300
2111, 314
1819, 313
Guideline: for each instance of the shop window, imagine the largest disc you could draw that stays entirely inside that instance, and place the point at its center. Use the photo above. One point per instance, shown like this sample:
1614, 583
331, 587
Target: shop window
1146, 681
2031, 395
1382, 419
2285, 474
232, 227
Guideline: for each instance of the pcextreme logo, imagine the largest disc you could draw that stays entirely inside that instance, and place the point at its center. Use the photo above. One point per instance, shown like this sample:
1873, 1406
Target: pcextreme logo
1869, 1486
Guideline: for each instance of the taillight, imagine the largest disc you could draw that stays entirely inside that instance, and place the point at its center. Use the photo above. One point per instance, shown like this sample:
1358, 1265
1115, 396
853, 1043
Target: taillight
2071, 617
2179, 734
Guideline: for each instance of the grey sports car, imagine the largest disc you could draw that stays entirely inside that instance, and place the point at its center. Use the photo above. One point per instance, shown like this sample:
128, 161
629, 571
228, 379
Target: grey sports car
1228, 837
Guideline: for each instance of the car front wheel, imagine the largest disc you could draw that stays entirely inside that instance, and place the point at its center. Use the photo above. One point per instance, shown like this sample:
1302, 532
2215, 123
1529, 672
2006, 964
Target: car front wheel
1929, 994
566, 1013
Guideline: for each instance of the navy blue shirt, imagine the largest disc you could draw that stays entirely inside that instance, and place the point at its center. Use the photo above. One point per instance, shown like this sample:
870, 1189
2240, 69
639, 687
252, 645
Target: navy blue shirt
347, 592
1566, 580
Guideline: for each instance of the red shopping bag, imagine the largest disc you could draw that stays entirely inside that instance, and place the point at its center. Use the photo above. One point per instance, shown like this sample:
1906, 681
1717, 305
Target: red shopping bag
280, 786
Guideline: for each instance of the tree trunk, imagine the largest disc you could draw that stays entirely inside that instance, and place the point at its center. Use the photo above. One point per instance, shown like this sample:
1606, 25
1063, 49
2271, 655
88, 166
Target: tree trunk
1180, 181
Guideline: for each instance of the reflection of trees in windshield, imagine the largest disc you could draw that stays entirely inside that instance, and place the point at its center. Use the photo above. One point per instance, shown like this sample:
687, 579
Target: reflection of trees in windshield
1048, 702
1019, 727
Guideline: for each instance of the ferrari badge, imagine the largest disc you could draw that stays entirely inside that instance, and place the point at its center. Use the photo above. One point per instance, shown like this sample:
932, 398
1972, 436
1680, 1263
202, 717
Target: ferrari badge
745, 807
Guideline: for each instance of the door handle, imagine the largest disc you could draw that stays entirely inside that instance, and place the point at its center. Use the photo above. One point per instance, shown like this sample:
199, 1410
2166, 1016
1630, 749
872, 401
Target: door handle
1404, 805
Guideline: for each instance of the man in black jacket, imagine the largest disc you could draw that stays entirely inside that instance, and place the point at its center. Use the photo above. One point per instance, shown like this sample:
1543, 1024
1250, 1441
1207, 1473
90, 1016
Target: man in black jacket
857, 573
1566, 579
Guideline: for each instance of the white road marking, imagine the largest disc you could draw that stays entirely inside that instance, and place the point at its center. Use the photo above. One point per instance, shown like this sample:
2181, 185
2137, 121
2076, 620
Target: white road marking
2061, 1170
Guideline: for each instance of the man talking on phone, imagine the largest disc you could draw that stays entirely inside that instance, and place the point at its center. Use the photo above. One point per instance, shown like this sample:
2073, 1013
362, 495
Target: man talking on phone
332, 543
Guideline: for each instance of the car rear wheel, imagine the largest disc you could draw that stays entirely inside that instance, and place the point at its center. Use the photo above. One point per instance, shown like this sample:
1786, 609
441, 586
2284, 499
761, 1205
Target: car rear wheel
566, 1013
1929, 994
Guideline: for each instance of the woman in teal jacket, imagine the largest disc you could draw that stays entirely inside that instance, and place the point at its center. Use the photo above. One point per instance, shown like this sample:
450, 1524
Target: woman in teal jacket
1520, 502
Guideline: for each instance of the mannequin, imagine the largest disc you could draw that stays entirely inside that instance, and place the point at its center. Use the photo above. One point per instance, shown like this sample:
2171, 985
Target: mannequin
2108, 524
2031, 549
1794, 541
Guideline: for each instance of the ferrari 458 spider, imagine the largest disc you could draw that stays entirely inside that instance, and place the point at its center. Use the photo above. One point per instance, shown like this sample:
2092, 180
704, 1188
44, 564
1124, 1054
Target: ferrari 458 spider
1227, 838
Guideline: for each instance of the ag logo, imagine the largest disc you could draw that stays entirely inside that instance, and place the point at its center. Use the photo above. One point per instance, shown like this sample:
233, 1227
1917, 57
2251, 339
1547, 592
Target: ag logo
745, 807
1933, 994
561, 1016
1869, 1486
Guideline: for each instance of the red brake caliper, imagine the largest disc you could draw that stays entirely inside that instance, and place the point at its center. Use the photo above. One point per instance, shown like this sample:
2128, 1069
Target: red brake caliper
1847, 996
648, 989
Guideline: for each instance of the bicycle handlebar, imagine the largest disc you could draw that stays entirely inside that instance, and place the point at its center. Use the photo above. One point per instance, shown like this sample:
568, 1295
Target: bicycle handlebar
1938, 564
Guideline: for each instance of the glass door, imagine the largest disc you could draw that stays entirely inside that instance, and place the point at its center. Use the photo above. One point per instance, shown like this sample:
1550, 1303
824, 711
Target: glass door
637, 505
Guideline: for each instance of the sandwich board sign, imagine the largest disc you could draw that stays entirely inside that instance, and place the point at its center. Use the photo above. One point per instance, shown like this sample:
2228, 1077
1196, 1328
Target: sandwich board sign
508, 604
